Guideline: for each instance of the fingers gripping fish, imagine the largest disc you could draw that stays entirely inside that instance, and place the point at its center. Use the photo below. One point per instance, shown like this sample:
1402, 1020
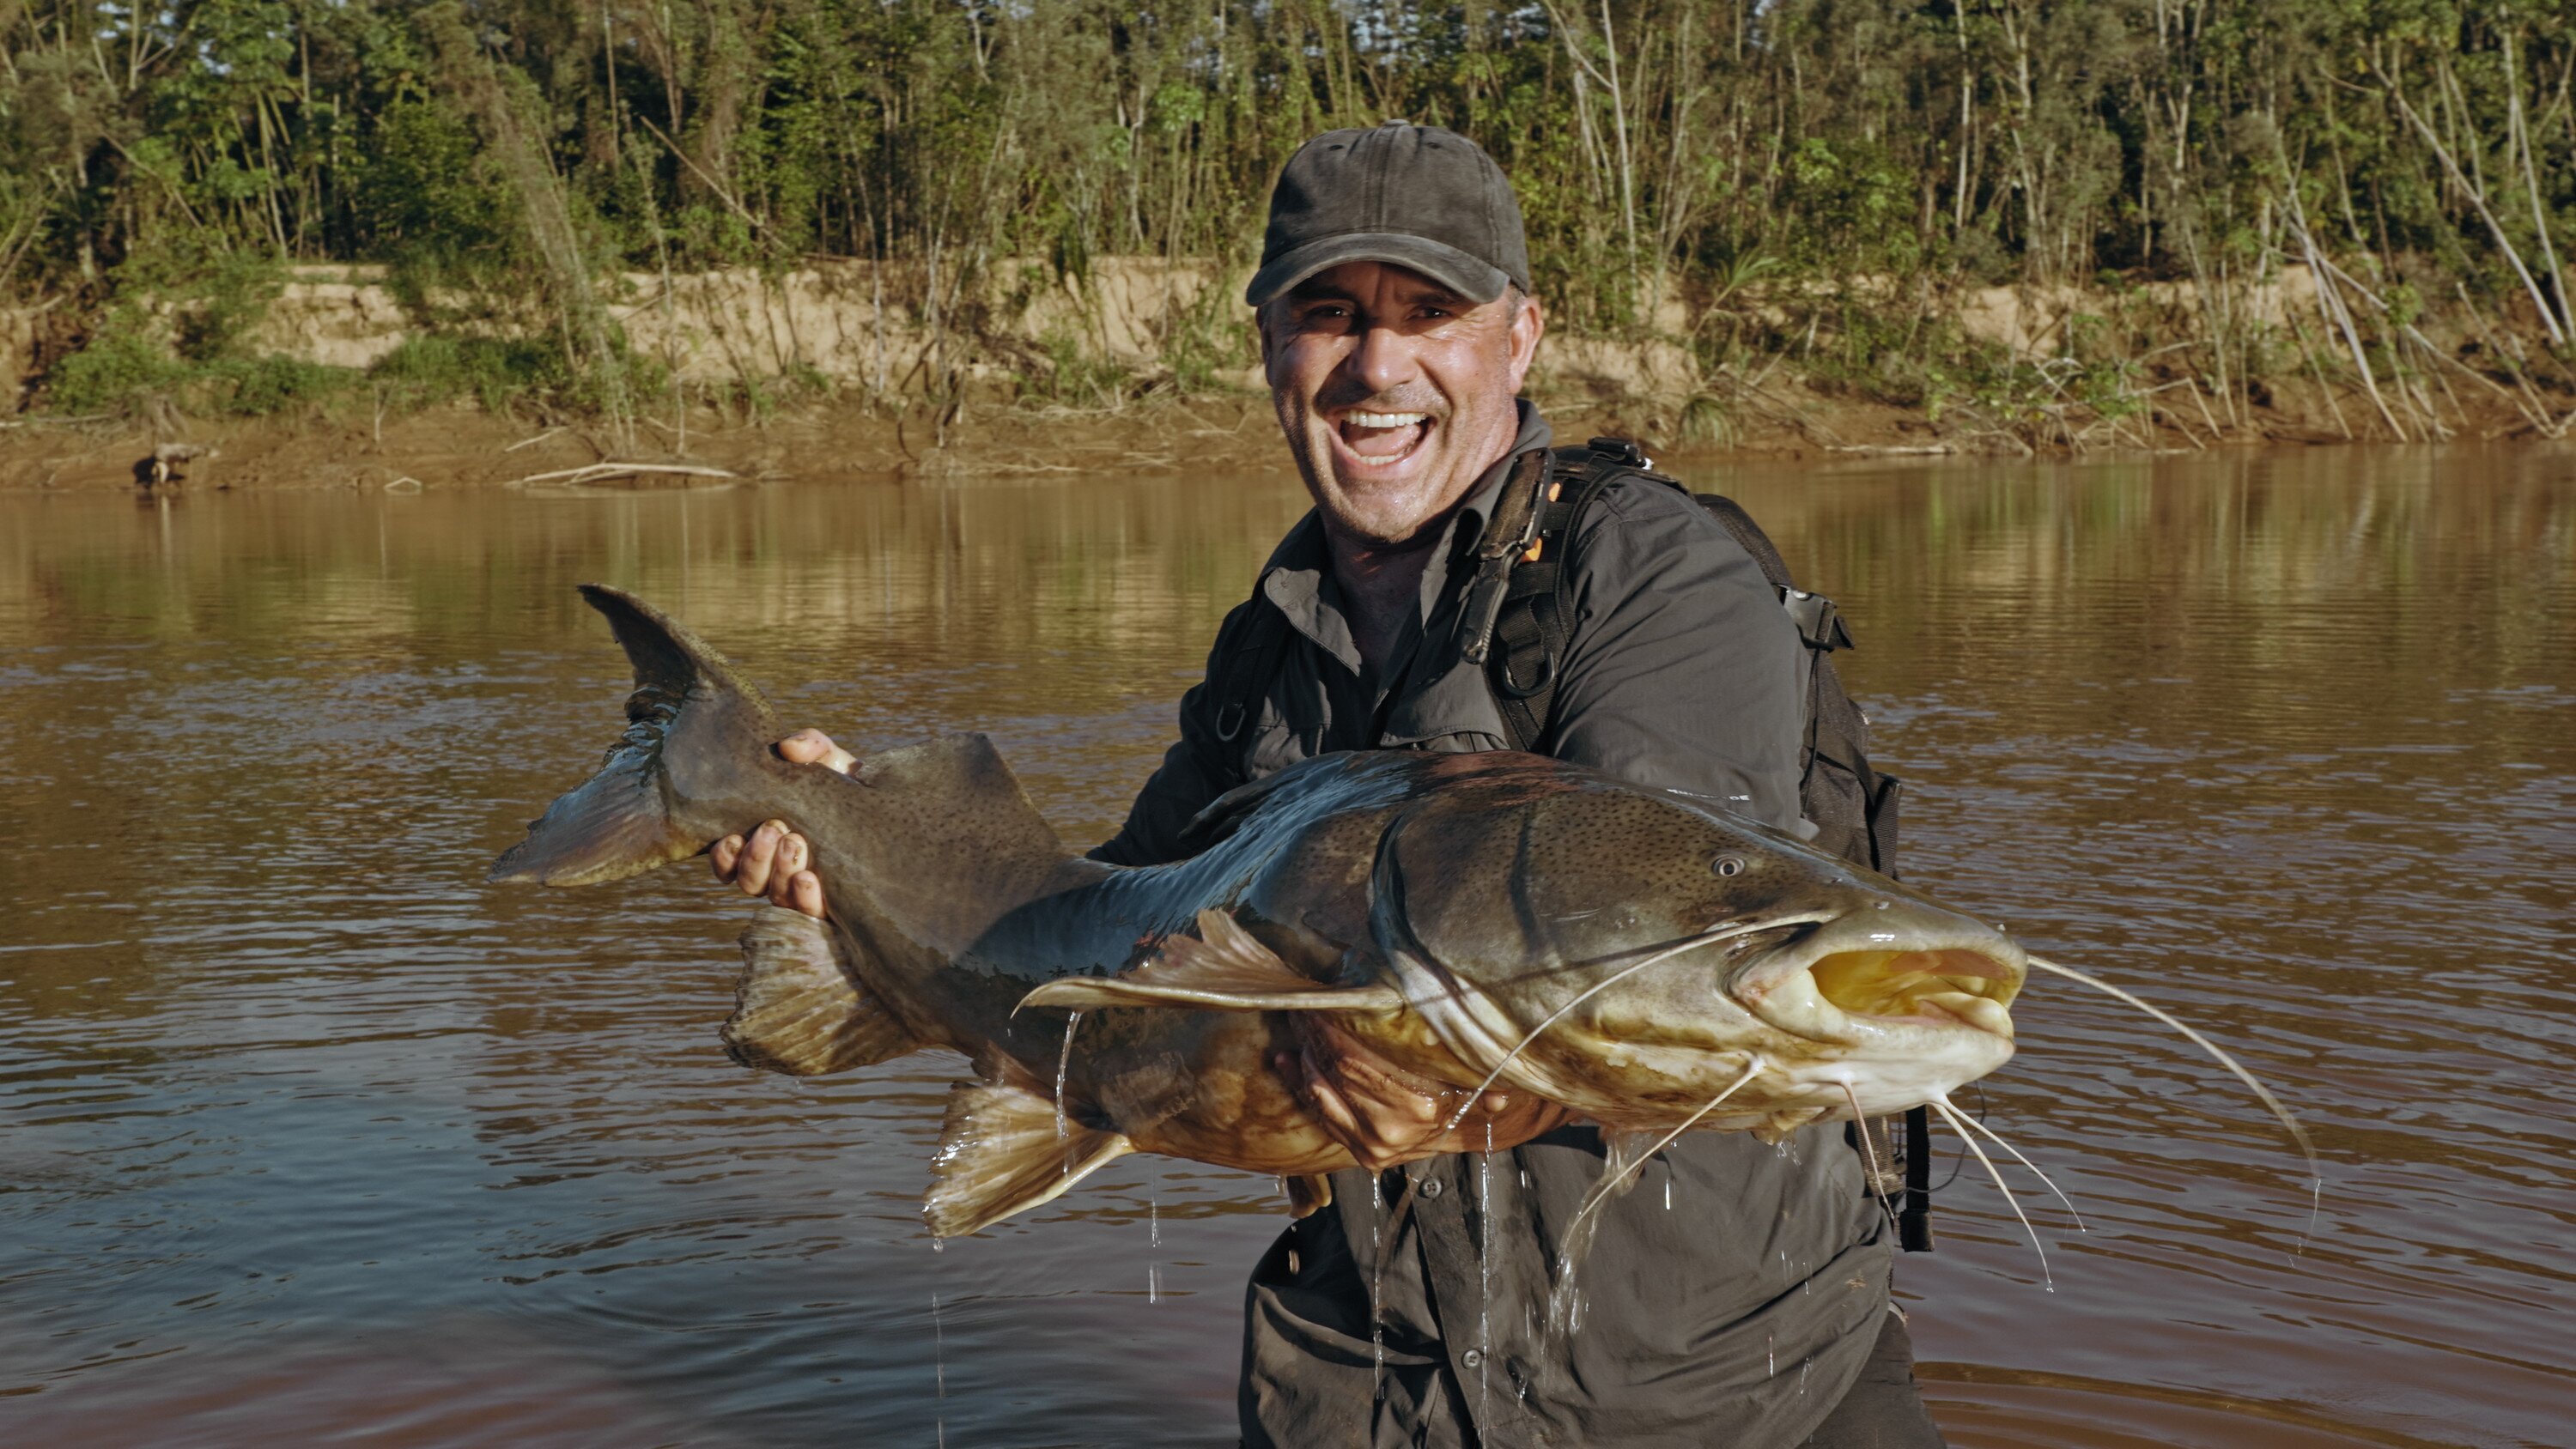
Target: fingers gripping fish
1638, 956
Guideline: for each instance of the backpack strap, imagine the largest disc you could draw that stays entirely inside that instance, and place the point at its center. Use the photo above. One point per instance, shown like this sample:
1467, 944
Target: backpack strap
1250, 643
1523, 645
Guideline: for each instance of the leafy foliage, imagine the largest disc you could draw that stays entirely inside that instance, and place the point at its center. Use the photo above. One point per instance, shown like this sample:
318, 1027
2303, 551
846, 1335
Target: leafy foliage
1673, 156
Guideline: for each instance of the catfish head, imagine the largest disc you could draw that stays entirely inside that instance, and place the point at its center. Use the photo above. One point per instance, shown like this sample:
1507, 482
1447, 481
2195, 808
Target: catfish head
1633, 954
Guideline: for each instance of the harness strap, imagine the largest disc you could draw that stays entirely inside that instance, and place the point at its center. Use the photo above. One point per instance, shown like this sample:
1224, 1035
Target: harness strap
1508, 534
1914, 1220
1250, 642
1530, 630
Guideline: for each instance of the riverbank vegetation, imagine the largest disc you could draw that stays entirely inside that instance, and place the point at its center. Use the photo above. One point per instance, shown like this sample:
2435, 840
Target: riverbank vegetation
2191, 205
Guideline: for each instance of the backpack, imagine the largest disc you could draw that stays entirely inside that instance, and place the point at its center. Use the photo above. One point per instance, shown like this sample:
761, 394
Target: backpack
1517, 625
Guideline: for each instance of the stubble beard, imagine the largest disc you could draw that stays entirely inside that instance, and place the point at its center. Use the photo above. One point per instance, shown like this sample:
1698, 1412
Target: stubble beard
1377, 517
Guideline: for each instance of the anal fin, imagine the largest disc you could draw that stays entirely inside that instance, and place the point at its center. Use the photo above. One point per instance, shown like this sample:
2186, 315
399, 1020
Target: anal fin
1224, 969
1003, 1151
799, 1008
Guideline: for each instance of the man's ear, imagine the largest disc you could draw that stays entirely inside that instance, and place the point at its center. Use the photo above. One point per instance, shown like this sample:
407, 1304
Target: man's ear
1529, 324
1261, 333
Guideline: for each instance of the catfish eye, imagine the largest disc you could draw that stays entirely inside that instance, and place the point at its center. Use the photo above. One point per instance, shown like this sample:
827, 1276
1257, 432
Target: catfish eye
1728, 865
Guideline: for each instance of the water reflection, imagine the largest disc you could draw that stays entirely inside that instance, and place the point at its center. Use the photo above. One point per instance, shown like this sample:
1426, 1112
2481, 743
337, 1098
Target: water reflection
310, 1133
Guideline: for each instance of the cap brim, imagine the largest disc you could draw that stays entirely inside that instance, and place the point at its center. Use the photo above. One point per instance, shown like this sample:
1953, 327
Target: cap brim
1469, 277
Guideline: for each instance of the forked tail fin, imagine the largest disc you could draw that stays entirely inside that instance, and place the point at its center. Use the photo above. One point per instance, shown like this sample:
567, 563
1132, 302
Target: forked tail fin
620, 822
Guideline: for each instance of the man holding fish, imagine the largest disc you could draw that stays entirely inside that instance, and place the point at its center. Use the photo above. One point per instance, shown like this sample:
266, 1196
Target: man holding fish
1738, 1294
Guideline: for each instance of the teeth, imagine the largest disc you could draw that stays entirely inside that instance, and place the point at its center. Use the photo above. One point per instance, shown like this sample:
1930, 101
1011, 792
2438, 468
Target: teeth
1384, 420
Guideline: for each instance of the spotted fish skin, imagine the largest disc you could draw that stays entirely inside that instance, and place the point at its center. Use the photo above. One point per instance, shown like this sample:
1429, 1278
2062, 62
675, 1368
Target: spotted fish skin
1488, 919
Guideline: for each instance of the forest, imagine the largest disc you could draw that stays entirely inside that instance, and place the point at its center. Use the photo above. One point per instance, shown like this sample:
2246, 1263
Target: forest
1748, 180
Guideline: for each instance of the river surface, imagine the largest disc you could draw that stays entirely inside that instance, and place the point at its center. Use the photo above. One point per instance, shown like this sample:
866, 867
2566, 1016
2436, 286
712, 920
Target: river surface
307, 1134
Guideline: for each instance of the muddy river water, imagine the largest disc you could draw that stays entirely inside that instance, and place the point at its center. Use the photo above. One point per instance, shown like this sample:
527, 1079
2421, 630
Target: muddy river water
307, 1134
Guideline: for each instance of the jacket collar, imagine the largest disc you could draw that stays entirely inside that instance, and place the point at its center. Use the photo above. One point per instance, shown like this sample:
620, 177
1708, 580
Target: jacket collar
1298, 577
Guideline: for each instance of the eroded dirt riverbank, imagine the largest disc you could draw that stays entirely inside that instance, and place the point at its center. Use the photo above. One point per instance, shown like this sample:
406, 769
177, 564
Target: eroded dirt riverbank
350, 446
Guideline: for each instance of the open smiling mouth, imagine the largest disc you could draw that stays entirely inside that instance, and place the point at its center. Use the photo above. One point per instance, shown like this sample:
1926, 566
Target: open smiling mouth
1381, 438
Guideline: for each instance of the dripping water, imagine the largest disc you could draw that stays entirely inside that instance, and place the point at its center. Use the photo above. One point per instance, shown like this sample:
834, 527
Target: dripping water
1377, 1277
1485, 1265
939, 1369
1063, 1068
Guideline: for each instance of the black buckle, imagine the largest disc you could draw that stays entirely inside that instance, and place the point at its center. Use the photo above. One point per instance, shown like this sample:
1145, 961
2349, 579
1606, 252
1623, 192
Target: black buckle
1819, 623
1621, 450
1514, 689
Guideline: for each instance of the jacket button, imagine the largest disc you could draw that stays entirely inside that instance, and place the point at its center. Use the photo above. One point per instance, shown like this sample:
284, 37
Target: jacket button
1472, 1358
1431, 1187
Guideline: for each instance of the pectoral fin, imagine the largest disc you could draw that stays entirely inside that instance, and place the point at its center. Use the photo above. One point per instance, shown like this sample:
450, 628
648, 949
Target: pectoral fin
798, 1007
1004, 1151
1224, 969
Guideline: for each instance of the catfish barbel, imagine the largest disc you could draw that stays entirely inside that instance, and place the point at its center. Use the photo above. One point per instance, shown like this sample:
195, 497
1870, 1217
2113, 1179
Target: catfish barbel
1639, 956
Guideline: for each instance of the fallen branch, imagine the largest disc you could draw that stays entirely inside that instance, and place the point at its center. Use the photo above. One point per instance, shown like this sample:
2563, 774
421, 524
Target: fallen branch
531, 442
598, 472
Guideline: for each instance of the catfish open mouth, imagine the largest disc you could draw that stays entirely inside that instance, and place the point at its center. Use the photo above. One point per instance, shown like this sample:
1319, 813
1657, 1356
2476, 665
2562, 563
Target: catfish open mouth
1967, 985
1936, 985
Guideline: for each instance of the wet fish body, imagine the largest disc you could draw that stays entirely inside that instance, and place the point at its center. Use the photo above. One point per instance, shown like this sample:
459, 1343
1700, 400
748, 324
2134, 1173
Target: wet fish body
1639, 956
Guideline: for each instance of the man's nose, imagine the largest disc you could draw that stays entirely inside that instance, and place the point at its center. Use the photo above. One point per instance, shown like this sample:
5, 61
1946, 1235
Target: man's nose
1383, 359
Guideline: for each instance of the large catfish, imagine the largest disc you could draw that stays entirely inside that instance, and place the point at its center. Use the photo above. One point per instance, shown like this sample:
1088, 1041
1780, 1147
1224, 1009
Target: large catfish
1639, 956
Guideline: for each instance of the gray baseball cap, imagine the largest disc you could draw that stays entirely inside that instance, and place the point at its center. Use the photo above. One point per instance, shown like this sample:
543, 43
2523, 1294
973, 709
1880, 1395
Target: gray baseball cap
1418, 196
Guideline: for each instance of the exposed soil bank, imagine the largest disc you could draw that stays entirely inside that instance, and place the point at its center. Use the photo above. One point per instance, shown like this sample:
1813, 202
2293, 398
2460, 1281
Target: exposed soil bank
465, 446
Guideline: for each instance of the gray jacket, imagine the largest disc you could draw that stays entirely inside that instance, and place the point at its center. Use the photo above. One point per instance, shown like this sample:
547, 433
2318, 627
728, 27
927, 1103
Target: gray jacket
1732, 1295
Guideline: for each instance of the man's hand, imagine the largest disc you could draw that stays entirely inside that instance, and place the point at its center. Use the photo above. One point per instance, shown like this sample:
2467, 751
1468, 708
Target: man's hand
1385, 1115
773, 862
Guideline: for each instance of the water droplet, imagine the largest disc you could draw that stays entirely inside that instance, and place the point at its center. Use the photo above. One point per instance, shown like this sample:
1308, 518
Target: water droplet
1770, 1357
1064, 1064
939, 1368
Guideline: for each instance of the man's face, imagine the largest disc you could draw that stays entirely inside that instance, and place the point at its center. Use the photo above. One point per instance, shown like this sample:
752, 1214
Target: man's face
1395, 393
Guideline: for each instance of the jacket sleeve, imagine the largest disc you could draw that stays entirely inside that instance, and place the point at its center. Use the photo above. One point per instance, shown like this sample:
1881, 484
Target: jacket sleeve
1194, 772
1683, 671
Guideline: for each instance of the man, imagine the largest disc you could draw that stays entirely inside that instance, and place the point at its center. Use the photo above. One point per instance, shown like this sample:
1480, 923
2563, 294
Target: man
1737, 1295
